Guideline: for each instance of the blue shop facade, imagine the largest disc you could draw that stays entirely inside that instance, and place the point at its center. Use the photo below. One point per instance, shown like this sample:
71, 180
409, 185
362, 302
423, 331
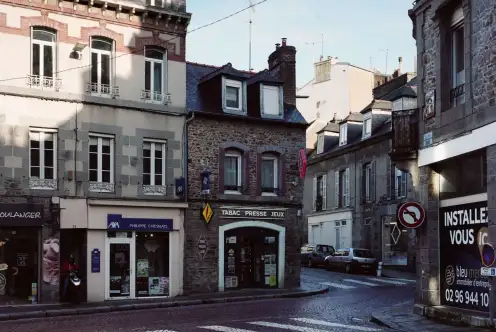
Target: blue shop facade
132, 249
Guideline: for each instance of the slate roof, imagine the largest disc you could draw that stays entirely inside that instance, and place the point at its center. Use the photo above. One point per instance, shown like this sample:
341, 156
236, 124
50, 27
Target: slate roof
407, 90
333, 127
197, 73
378, 104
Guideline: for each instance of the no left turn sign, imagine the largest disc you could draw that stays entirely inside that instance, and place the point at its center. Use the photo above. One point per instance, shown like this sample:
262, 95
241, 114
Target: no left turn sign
411, 214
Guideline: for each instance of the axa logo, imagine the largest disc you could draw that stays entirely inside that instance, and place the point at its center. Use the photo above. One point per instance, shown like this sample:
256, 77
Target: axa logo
113, 224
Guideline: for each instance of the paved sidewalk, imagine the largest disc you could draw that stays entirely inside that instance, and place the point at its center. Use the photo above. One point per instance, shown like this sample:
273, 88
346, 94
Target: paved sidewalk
391, 273
53, 310
402, 318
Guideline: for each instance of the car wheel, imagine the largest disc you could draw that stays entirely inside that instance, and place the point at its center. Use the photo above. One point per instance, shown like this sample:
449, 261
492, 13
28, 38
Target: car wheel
310, 264
348, 268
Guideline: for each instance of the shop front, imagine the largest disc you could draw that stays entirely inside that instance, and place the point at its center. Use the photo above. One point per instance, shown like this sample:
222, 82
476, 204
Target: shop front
137, 255
20, 259
251, 248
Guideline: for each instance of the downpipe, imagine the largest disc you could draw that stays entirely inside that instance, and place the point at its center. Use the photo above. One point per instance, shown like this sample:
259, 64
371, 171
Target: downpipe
185, 154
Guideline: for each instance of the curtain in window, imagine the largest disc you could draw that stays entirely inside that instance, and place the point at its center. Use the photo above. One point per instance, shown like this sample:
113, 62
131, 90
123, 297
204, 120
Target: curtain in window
268, 174
231, 172
232, 97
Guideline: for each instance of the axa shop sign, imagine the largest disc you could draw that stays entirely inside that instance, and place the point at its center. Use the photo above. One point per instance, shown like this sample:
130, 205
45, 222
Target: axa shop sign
463, 232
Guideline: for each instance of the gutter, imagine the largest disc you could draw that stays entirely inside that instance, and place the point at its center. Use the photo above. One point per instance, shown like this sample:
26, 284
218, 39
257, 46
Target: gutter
185, 155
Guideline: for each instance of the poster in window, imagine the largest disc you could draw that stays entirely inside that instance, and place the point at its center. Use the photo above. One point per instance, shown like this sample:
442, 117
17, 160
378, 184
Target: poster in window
142, 268
158, 286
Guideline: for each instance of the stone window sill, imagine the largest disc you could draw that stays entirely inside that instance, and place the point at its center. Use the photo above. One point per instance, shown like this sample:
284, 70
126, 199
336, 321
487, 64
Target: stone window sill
43, 184
154, 190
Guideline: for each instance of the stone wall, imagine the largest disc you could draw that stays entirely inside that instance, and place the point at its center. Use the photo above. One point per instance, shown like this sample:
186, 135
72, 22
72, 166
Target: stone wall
205, 136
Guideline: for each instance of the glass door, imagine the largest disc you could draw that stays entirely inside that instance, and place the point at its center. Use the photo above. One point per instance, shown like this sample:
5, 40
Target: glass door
121, 277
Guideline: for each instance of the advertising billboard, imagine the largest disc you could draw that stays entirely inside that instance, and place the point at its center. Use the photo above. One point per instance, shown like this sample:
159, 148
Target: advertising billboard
463, 233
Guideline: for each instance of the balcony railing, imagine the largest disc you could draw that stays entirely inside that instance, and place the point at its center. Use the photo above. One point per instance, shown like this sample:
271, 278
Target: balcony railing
153, 96
457, 95
405, 134
103, 89
44, 82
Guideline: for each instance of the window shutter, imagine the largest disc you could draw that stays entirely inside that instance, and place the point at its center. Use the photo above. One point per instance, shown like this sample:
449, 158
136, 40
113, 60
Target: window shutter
165, 86
404, 180
336, 189
388, 180
223, 93
259, 174
361, 182
281, 102
372, 181
246, 172
261, 99
324, 192
282, 180
314, 200
347, 187
221, 170
243, 97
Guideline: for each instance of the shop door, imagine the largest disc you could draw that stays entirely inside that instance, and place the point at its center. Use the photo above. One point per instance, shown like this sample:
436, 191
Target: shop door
120, 273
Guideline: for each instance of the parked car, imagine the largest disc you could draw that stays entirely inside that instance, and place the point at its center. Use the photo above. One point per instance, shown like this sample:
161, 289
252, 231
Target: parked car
352, 260
315, 254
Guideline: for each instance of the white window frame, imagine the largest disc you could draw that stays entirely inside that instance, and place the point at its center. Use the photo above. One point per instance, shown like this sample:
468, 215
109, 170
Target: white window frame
400, 177
343, 134
34, 182
278, 105
276, 173
368, 182
367, 125
233, 154
99, 52
320, 143
343, 196
153, 143
152, 95
238, 85
41, 81
100, 138
457, 78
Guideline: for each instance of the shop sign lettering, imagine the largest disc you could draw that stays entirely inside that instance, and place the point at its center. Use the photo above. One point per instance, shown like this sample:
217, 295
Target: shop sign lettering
253, 213
463, 235
21, 215
117, 222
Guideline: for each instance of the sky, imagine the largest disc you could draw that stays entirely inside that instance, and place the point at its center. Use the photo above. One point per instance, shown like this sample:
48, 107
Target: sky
361, 32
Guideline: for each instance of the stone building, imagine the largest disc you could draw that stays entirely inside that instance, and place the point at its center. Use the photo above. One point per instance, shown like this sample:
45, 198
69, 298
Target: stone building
352, 190
448, 146
244, 191
92, 109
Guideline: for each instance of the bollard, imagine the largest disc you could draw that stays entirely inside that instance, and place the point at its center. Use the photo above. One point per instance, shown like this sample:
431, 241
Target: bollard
379, 269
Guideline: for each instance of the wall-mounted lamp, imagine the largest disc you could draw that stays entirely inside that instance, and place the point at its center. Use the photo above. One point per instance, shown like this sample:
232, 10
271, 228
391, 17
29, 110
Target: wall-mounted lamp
76, 51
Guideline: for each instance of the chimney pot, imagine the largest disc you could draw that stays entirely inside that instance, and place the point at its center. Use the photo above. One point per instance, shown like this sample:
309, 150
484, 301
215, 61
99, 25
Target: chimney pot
329, 58
400, 62
278, 45
284, 41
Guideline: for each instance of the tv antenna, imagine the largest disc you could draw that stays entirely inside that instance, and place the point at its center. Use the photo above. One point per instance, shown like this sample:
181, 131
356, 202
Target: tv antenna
321, 42
252, 9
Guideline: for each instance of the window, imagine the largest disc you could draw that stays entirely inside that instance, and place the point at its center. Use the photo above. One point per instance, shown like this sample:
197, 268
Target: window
320, 193
342, 188
42, 58
154, 75
343, 134
367, 177
43, 159
269, 175
320, 143
271, 100
101, 66
233, 95
400, 183
232, 172
367, 125
154, 163
457, 92
101, 162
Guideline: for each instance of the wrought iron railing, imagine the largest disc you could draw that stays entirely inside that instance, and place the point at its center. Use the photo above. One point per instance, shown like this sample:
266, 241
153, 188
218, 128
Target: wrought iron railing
155, 96
457, 95
44, 82
103, 89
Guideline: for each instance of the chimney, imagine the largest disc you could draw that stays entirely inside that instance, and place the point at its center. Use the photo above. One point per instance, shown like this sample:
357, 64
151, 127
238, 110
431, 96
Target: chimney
282, 63
400, 65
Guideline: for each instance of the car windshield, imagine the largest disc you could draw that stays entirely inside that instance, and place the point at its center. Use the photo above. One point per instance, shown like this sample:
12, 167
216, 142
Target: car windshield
363, 253
326, 249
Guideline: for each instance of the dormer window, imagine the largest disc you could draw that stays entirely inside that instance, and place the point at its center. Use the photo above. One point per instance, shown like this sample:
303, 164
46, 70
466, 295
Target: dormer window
367, 125
233, 95
320, 143
271, 100
343, 134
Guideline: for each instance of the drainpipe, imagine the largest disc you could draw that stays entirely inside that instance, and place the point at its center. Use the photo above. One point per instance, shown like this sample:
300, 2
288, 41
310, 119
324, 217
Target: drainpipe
185, 155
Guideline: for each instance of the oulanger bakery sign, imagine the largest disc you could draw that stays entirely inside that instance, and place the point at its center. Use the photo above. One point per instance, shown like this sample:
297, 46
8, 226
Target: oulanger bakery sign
21, 214
252, 213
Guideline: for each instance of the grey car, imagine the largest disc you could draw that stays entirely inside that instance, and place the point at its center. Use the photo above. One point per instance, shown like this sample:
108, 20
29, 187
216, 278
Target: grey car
315, 254
352, 260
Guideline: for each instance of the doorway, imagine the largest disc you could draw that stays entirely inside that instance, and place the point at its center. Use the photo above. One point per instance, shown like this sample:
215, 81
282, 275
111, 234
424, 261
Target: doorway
120, 275
251, 258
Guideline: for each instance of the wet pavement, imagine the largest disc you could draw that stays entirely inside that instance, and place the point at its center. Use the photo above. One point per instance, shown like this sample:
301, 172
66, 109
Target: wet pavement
347, 307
